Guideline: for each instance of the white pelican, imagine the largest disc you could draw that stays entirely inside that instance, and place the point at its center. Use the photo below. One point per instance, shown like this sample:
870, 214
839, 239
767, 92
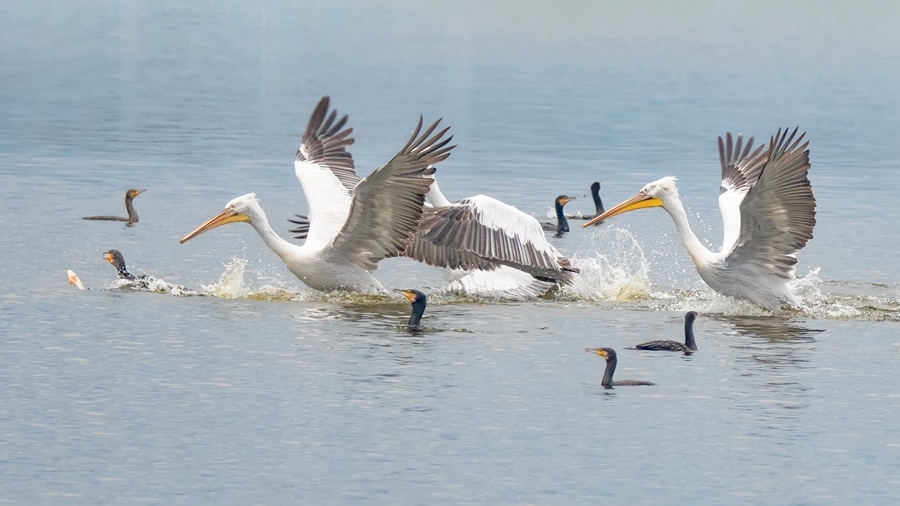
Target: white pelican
353, 223
481, 232
768, 212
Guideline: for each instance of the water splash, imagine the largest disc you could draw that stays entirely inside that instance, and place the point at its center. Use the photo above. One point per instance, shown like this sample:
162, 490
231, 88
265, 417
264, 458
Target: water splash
155, 285
233, 285
614, 272
846, 300
615, 269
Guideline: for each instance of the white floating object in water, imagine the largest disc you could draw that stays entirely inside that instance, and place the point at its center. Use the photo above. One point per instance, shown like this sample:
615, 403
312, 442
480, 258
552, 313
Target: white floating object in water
73, 280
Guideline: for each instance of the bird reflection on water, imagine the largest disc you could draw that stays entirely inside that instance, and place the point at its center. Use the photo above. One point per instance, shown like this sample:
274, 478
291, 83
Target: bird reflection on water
779, 349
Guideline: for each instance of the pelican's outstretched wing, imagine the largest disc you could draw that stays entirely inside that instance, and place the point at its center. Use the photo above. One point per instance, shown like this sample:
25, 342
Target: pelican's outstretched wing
325, 170
740, 171
387, 205
439, 255
493, 231
779, 211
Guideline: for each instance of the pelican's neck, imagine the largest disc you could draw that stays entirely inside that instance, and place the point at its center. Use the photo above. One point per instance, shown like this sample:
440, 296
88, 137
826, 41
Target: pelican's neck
273, 241
608, 373
435, 197
689, 334
418, 309
699, 253
129, 206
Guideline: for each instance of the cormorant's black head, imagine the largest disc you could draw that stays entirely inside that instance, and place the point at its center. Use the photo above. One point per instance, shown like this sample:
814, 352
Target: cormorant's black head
607, 353
595, 187
690, 316
563, 200
411, 294
132, 193
115, 257
418, 301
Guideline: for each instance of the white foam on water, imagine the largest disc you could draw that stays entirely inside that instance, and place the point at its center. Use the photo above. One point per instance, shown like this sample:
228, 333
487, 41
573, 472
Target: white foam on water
617, 272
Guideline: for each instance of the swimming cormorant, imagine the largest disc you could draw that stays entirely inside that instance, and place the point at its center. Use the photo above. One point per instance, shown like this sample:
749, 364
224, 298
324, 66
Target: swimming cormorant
610, 355
419, 301
689, 345
129, 206
561, 225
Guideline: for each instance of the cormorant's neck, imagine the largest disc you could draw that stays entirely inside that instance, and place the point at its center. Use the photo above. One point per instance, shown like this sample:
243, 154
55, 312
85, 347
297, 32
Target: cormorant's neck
562, 225
123, 272
129, 205
689, 334
418, 309
598, 204
608, 373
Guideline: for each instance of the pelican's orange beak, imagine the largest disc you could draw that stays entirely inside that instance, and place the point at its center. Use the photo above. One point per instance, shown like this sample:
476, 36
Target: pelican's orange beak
225, 217
639, 201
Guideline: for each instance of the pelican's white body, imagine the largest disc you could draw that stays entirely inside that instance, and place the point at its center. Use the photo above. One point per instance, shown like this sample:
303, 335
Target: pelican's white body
733, 278
317, 266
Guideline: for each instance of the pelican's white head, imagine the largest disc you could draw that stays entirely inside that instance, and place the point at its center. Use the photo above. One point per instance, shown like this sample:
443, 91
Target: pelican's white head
663, 189
244, 204
655, 194
243, 208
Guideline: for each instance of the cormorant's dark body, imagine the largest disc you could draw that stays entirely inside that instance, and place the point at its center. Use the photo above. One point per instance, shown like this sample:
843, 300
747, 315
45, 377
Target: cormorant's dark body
611, 360
689, 345
129, 206
598, 204
561, 226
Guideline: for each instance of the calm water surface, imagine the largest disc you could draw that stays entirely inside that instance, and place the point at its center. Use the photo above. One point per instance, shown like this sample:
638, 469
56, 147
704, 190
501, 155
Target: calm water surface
243, 386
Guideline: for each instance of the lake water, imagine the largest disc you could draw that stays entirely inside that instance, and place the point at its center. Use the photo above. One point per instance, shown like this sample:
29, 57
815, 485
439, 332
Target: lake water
248, 388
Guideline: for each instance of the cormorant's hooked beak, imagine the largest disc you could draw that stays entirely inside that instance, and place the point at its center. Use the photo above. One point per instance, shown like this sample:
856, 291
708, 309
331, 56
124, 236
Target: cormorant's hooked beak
639, 201
566, 200
135, 193
598, 351
406, 293
225, 217
109, 257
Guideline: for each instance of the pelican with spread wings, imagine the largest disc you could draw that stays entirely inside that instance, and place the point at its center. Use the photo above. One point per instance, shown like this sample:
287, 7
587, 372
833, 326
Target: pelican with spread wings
504, 248
481, 232
353, 223
768, 210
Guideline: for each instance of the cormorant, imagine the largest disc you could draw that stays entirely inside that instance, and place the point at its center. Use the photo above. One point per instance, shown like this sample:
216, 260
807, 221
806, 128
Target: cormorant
129, 206
689, 345
610, 355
